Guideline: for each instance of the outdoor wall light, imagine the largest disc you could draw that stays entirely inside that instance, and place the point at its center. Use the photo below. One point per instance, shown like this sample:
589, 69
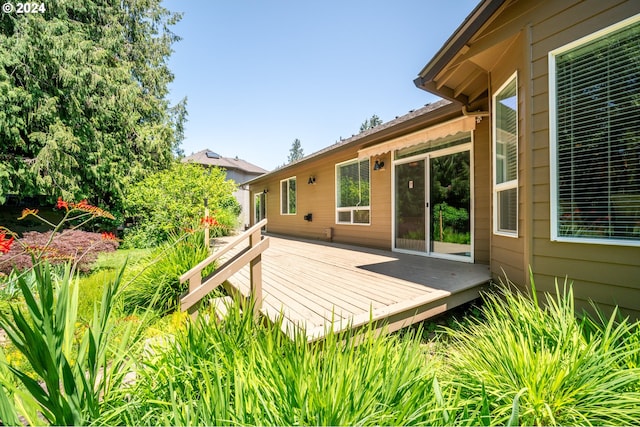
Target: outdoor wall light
378, 165
308, 217
312, 180
265, 191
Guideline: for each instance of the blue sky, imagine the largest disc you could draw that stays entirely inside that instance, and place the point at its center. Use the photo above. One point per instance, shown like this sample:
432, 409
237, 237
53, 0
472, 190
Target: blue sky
260, 73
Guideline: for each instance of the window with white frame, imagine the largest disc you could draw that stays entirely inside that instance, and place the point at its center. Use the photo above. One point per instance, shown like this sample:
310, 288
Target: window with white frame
505, 158
288, 196
352, 192
595, 137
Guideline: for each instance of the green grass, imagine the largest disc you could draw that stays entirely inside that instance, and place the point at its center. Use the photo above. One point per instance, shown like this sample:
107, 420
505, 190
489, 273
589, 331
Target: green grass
115, 260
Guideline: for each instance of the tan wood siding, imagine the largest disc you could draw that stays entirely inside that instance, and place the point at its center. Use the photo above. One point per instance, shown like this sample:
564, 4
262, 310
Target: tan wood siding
482, 191
607, 274
319, 199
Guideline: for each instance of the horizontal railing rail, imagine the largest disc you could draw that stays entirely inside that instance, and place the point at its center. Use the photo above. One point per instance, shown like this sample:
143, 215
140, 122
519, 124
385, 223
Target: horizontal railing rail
251, 255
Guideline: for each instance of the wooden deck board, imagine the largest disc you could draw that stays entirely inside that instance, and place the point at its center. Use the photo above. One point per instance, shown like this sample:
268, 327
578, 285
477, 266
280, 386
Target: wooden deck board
317, 286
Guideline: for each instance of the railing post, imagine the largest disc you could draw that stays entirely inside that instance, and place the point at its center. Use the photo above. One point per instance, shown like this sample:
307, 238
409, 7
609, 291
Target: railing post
255, 274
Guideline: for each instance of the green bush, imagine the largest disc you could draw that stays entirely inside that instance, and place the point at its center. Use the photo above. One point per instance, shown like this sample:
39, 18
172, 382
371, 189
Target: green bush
154, 282
170, 201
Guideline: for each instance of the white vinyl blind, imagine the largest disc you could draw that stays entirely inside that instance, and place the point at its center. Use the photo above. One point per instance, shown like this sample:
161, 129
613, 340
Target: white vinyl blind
597, 139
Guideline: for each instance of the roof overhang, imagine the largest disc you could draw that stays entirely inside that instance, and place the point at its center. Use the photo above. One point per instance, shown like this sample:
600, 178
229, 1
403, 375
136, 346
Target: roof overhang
452, 48
451, 127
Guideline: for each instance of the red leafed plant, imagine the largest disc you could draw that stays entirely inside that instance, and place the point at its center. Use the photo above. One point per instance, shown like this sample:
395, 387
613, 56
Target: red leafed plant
57, 246
79, 247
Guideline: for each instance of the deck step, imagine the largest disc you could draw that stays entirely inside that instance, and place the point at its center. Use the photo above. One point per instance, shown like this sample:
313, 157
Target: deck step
221, 306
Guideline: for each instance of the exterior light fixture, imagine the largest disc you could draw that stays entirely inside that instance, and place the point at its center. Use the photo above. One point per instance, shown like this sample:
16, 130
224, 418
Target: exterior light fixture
378, 165
312, 180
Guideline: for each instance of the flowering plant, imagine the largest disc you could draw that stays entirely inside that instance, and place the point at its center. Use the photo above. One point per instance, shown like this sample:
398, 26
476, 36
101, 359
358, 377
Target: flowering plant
57, 246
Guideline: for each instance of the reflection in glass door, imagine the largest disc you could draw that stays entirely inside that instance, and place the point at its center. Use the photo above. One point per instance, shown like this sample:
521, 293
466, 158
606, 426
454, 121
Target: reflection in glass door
450, 204
260, 207
410, 213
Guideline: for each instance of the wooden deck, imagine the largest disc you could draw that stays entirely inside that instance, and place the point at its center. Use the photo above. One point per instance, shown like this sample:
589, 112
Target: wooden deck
317, 286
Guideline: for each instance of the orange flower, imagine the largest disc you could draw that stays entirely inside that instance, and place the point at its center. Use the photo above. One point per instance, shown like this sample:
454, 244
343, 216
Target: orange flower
84, 206
210, 221
62, 204
108, 236
27, 212
5, 244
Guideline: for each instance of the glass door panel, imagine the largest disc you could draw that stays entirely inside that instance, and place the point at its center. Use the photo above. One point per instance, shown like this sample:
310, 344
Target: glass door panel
450, 204
410, 213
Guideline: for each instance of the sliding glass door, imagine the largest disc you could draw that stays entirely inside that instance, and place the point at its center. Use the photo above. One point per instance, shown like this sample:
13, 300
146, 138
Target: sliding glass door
433, 204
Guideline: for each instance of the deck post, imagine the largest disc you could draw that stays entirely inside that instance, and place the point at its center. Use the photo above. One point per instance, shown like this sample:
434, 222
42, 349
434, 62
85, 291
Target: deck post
255, 274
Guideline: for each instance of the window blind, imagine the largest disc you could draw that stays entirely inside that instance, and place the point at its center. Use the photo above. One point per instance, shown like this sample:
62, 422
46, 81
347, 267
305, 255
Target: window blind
598, 137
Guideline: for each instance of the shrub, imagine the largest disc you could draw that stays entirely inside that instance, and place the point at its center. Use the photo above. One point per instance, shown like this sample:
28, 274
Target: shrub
543, 359
79, 247
170, 201
155, 281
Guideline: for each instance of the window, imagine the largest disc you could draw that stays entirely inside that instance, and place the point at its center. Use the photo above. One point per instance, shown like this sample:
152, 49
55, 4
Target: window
595, 137
288, 196
352, 192
505, 159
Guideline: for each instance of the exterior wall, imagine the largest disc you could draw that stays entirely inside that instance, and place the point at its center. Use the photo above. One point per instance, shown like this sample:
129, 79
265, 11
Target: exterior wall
604, 273
482, 191
319, 199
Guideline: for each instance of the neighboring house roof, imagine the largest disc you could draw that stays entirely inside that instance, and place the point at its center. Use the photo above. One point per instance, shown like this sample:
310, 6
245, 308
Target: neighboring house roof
414, 120
211, 158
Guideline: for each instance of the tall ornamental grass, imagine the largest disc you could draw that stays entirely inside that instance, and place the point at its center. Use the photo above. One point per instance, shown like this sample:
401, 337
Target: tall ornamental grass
560, 370
241, 373
154, 281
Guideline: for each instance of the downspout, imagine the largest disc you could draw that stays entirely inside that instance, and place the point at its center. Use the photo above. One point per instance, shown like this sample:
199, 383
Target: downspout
477, 114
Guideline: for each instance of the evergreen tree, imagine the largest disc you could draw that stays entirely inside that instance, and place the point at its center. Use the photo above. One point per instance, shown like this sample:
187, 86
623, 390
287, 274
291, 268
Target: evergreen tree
370, 123
295, 152
83, 107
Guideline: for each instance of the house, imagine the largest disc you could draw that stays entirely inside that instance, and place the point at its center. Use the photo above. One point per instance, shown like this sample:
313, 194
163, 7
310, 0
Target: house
238, 170
531, 160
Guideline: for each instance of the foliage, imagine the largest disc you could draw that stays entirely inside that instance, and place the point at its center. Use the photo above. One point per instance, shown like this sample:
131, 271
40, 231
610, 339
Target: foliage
172, 200
454, 221
79, 247
83, 107
78, 376
155, 280
370, 123
295, 152
354, 187
242, 373
543, 359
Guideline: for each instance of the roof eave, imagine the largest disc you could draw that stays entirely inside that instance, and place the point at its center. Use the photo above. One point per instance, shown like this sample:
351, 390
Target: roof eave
374, 137
476, 19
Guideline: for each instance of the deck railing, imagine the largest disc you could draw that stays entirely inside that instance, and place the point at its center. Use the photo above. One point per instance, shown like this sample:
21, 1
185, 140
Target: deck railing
251, 255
